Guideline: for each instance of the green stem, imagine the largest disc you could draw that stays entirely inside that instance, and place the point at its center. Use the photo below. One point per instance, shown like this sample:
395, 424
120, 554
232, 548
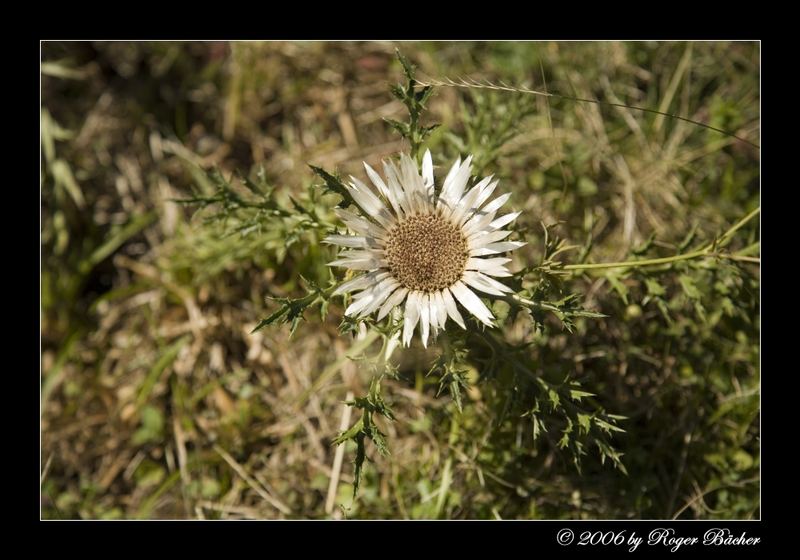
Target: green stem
728, 234
634, 264
738, 257
707, 251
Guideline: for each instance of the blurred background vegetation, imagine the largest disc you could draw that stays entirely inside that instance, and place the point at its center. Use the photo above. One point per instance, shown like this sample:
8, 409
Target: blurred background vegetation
157, 402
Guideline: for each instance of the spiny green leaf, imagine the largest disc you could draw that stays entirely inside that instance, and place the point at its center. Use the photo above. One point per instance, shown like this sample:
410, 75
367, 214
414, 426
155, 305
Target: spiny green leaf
408, 68
361, 455
402, 128
291, 310
422, 95
333, 184
349, 434
578, 395
555, 400
397, 91
585, 422
615, 456
606, 427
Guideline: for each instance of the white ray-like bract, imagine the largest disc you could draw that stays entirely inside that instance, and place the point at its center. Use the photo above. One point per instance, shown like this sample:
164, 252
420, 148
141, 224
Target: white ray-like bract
420, 253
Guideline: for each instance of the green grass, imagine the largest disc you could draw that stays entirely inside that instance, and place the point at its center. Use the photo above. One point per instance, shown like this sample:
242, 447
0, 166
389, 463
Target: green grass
159, 401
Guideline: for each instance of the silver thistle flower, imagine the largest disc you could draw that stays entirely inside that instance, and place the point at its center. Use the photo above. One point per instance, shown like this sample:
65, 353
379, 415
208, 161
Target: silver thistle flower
427, 251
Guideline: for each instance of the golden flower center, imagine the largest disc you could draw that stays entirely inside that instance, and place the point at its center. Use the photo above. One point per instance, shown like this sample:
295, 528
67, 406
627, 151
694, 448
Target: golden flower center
426, 252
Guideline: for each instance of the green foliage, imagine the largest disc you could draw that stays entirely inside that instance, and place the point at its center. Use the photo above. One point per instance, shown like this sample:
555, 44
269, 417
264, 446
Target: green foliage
365, 428
248, 218
292, 309
452, 372
252, 213
544, 288
414, 101
490, 120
